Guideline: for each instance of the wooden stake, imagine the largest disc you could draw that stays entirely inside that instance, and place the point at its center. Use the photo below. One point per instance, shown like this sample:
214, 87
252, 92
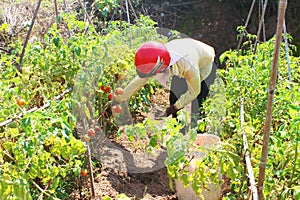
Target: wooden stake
56, 10
260, 26
91, 170
128, 21
87, 15
27, 37
246, 24
253, 188
281, 13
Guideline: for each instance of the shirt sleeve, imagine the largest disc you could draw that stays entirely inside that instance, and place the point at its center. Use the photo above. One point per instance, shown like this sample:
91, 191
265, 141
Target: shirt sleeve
193, 80
136, 84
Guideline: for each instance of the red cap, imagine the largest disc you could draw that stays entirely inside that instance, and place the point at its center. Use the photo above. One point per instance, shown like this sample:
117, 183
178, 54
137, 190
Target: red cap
151, 58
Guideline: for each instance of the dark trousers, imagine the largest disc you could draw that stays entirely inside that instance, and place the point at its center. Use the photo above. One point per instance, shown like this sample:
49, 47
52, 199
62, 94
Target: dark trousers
178, 88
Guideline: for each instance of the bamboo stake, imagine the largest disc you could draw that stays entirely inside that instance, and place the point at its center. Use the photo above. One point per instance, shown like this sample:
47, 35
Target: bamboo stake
87, 15
91, 170
287, 51
288, 57
130, 4
247, 157
246, 24
56, 10
128, 21
27, 37
281, 13
263, 24
260, 26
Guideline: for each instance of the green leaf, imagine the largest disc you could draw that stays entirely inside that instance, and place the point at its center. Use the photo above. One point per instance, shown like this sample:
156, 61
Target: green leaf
185, 179
26, 124
56, 41
122, 197
59, 17
153, 142
296, 192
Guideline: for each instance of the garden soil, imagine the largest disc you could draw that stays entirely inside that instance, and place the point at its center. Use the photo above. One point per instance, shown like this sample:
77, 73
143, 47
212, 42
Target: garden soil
129, 170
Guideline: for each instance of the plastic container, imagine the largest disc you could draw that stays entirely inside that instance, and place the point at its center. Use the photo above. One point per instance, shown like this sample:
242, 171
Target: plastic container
215, 191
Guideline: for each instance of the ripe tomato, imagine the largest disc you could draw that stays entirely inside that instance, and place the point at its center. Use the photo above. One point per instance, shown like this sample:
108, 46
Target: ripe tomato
116, 109
97, 128
83, 172
107, 89
102, 87
20, 102
91, 132
110, 96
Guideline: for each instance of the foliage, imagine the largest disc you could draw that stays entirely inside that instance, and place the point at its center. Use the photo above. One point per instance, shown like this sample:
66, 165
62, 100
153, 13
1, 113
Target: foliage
39, 155
247, 78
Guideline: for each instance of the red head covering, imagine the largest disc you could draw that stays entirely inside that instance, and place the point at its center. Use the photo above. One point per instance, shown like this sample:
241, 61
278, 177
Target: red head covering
151, 58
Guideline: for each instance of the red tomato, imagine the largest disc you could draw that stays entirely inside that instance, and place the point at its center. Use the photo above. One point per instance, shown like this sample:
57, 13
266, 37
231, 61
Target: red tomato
97, 128
20, 102
102, 87
107, 89
83, 172
116, 109
91, 132
110, 96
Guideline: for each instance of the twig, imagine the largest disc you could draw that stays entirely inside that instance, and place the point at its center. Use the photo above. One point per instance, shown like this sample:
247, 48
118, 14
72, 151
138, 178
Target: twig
19, 67
46, 188
34, 109
40, 189
246, 24
281, 13
247, 157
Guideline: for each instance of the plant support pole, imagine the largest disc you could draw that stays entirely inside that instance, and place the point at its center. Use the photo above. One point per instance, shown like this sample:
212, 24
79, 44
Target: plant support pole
28, 34
246, 24
128, 21
247, 157
281, 13
260, 25
287, 51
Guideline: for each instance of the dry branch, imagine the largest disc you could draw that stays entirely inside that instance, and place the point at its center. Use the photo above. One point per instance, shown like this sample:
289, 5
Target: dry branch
281, 13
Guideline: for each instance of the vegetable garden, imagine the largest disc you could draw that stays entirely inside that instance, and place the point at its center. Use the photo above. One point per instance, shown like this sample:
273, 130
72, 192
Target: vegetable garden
56, 99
